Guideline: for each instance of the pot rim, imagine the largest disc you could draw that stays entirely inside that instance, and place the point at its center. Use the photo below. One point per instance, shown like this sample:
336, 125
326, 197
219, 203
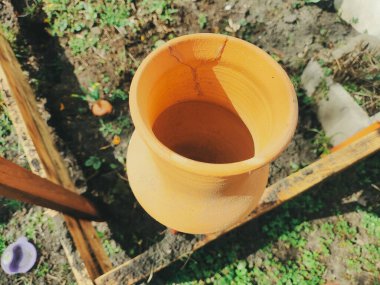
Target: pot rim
204, 168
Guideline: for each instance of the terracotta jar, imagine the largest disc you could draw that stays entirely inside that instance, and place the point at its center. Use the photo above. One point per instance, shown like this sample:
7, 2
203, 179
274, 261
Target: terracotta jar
211, 112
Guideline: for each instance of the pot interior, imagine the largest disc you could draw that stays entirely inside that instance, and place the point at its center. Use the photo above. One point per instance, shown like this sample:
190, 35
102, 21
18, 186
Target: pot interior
205, 132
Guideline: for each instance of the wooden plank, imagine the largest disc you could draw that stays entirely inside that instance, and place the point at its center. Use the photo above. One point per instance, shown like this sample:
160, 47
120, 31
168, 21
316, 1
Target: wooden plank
134, 270
18, 183
357, 135
77, 273
43, 157
94, 242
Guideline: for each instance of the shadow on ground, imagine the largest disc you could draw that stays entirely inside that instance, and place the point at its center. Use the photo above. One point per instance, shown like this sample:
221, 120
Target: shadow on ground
79, 135
319, 203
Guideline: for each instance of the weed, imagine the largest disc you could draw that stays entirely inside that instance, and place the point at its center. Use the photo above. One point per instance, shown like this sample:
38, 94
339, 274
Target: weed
8, 33
5, 132
96, 91
80, 44
322, 90
111, 247
343, 228
100, 234
91, 94
114, 128
202, 21
32, 7
371, 223
42, 270
158, 43
12, 205
116, 15
354, 20
2, 241
297, 166
321, 142
95, 162
163, 8
8, 144
358, 72
297, 5
362, 96
327, 71
118, 94
323, 32
301, 94
75, 19
275, 57
34, 220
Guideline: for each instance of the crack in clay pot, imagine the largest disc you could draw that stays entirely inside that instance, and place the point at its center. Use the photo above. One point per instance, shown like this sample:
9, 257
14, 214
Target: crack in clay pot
198, 161
174, 53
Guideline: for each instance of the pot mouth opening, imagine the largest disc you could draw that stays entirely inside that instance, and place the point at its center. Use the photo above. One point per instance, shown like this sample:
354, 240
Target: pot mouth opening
200, 134
204, 132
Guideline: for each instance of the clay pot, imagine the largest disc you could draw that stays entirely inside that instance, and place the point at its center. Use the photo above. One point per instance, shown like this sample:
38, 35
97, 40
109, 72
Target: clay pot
211, 112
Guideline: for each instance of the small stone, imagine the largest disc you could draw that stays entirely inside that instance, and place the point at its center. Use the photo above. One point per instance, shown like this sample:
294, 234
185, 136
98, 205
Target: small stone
228, 7
290, 18
96, 31
159, 43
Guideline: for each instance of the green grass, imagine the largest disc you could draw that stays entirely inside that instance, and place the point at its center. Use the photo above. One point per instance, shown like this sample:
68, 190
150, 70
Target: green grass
3, 241
5, 130
163, 8
115, 127
321, 142
251, 255
9, 143
8, 148
111, 247
32, 7
96, 91
94, 162
7, 208
8, 33
77, 19
202, 21
42, 270
5, 133
303, 99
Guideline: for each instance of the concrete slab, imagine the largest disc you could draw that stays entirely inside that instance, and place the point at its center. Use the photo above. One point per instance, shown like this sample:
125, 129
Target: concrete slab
311, 77
363, 15
375, 118
339, 114
350, 44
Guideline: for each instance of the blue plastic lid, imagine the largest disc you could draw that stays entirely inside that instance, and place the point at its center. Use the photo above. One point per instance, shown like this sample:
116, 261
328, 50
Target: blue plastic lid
19, 257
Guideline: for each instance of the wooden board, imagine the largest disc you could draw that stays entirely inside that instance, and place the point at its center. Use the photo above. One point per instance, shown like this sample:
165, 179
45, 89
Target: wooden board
18, 183
43, 157
134, 270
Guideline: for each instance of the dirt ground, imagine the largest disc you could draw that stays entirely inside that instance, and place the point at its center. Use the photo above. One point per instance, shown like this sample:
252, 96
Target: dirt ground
291, 31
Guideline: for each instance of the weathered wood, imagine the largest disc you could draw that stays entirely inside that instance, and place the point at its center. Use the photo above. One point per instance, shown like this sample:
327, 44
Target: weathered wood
43, 157
77, 273
94, 242
18, 183
134, 270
